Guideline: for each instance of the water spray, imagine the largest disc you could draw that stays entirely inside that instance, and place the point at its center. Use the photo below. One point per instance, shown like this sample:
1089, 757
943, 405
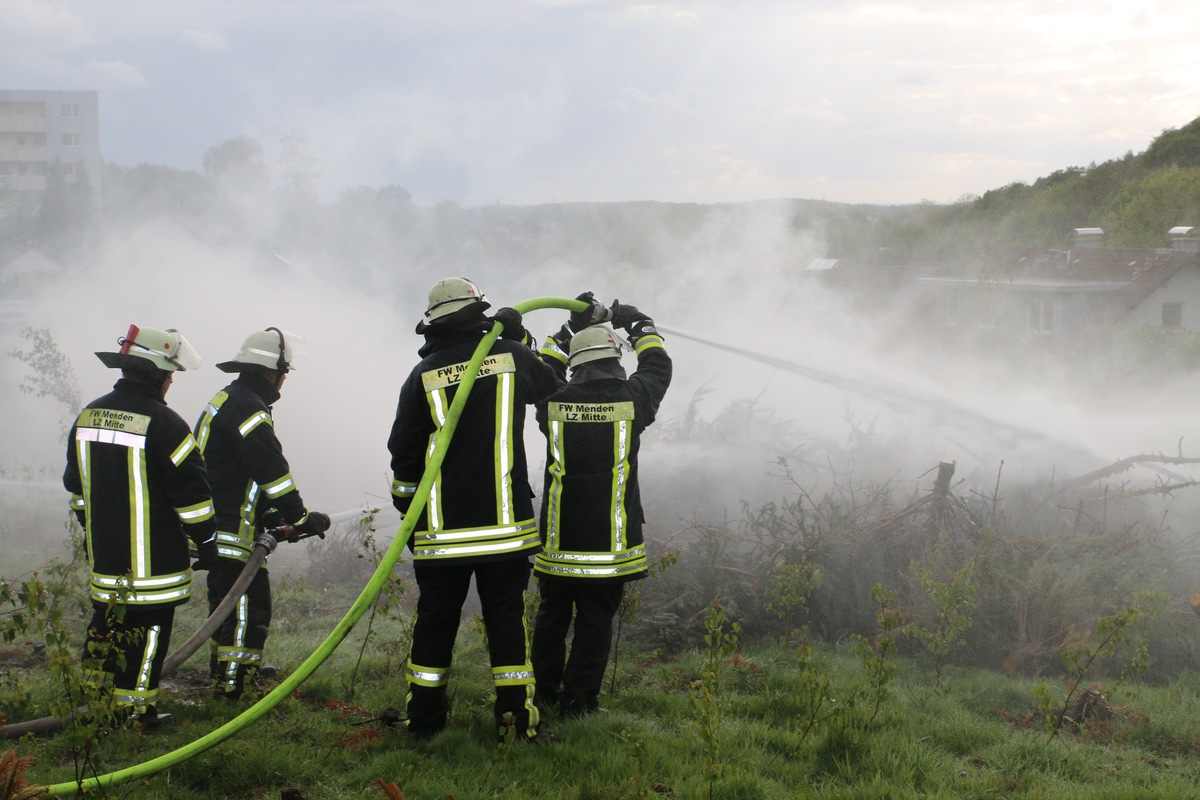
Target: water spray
898, 396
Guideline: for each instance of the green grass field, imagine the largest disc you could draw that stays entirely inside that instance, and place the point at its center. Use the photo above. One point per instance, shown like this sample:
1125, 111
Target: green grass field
978, 736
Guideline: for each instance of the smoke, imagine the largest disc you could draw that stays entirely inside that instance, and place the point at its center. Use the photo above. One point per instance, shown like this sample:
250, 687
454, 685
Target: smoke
768, 365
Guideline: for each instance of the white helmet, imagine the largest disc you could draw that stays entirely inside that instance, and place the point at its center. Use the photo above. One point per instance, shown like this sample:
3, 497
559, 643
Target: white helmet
449, 296
593, 344
271, 348
152, 348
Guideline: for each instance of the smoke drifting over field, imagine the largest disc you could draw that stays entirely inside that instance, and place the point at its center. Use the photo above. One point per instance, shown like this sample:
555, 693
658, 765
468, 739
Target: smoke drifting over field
794, 373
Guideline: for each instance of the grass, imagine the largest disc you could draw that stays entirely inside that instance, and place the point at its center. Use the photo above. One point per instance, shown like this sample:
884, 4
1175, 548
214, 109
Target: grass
978, 736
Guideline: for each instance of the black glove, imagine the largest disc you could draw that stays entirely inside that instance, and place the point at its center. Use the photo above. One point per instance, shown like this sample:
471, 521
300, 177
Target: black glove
624, 315
510, 318
640, 327
206, 555
593, 315
316, 523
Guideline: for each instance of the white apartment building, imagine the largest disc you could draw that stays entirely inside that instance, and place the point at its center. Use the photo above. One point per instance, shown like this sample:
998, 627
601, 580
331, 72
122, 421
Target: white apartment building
41, 128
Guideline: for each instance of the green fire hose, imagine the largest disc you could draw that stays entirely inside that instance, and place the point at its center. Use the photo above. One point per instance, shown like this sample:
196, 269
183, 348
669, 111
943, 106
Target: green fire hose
360, 606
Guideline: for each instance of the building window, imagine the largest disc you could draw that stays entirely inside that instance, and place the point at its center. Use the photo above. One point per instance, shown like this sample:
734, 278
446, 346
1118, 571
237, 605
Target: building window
70, 140
1041, 316
71, 110
1172, 315
69, 172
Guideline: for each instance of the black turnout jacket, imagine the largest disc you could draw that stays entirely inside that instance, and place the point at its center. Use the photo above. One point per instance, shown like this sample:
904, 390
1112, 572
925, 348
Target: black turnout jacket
480, 507
591, 506
246, 465
139, 487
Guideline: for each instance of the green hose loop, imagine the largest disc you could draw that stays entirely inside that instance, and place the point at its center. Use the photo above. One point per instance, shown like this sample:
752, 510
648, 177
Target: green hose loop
360, 606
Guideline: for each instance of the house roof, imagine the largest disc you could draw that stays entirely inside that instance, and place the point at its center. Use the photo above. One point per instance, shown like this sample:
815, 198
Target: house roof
1129, 276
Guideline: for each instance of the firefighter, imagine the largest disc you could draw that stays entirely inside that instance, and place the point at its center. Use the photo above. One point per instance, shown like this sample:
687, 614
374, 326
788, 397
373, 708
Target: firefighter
139, 489
591, 505
253, 490
479, 520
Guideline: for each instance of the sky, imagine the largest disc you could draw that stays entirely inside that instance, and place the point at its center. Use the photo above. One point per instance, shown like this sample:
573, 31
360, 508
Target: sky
541, 101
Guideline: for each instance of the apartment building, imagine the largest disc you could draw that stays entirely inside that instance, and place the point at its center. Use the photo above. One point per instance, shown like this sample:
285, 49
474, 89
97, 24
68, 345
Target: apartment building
39, 129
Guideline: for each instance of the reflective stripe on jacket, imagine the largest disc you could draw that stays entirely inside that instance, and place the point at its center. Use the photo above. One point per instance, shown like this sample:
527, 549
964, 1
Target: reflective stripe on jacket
246, 464
591, 507
138, 483
480, 506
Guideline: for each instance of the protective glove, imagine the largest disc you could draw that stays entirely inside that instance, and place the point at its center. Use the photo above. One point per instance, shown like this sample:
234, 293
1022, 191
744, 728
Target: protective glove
624, 315
644, 326
510, 318
593, 315
206, 555
316, 523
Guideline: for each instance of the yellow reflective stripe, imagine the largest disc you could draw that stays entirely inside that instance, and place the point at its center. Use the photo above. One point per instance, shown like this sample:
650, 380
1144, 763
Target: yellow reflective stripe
256, 419
648, 341
557, 470
132, 440
427, 676
152, 640
403, 488
184, 450
504, 448
512, 676
549, 567
441, 545
280, 486
551, 348
196, 513
139, 540
210, 411
77, 502
622, 433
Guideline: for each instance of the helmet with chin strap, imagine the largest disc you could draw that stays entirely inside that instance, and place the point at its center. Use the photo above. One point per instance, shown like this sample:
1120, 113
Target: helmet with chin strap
271, 348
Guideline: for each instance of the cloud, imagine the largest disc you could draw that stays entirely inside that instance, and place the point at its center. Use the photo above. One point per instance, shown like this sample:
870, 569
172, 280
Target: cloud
211, 41
114, 75
30, 30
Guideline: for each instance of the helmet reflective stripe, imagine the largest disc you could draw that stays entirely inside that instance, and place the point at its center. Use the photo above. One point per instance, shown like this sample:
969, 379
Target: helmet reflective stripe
272, 349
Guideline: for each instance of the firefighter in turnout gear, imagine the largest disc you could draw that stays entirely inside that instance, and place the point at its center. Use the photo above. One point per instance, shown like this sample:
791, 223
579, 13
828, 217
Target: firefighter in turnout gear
591, 504
253, 490
139, 489
479, 520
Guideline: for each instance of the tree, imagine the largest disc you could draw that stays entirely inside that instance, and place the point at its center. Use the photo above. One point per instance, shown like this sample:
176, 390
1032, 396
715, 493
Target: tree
238, 165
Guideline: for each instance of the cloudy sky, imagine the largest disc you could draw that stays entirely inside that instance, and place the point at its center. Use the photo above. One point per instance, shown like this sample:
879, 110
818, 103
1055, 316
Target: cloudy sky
532, 101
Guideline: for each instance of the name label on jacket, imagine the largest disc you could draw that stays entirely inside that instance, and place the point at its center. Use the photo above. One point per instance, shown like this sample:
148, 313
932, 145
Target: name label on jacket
110, 420
590, 412
452, 374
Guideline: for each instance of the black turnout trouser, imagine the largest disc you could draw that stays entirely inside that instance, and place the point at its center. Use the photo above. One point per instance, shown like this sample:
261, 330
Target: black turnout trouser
593, 606
126, 653
443, 589
237, 645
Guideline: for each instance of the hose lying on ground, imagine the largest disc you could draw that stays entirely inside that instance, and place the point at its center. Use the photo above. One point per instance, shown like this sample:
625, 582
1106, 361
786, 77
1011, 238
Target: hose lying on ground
364, 601
263, 547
